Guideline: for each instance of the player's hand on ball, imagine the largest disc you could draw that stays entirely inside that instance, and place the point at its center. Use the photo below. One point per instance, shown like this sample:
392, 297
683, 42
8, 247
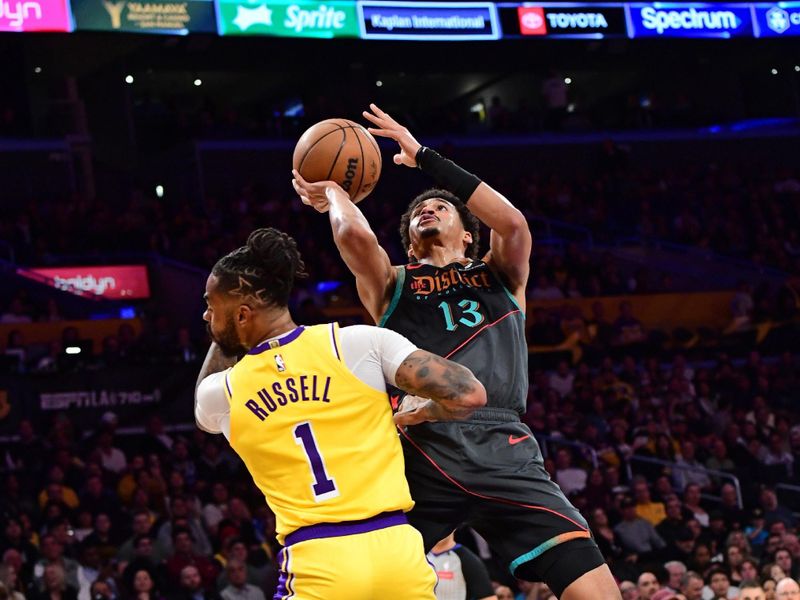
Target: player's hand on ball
386, 126
315, 194
413, 410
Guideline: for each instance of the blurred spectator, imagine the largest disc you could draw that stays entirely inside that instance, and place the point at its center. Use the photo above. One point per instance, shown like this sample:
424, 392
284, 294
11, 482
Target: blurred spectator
16, 312
787, 589
238, 588
647, 585
689, 470
676, 571
653, 512
113, 458
627, 328
774, 512
570, 479
143, 586
141, 525
9, 578
54, 585
202, 573
53, 554
636, 534
718, 586
192, 587
692, 586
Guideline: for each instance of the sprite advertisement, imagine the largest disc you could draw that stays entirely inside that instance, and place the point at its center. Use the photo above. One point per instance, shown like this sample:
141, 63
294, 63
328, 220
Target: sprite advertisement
286, 18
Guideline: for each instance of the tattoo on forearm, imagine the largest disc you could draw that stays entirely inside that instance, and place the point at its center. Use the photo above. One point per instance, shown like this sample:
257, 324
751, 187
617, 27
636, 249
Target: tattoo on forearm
214, 363
445, 382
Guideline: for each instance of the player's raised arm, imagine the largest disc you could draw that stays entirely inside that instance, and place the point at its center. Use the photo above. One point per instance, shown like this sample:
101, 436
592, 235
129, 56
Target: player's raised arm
356, 242
447, 390
510, 244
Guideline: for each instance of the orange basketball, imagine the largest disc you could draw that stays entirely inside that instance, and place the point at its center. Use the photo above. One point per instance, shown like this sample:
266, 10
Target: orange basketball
342, 151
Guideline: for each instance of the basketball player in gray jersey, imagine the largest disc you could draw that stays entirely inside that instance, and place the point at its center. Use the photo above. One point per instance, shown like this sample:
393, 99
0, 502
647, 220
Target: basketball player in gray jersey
487, 471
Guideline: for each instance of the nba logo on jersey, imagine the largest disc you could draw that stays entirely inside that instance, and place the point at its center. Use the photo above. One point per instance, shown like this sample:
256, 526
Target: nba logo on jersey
279, 362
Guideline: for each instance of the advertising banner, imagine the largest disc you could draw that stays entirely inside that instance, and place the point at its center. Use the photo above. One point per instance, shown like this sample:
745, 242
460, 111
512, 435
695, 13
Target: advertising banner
689, 20
34, 15
428, 20
84, 396
554, 20
285, 18
173, 17
777, 19
116, 282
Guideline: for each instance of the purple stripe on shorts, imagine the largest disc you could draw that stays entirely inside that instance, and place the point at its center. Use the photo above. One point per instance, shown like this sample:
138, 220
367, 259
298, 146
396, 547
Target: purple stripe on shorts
333, 337
326, 530
289, 337
283, 560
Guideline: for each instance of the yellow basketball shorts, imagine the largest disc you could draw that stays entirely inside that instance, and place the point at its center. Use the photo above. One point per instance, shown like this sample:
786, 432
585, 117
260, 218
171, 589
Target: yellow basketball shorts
381, 558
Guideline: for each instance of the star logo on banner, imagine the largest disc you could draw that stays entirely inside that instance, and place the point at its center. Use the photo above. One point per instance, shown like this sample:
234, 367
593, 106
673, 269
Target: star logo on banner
247, 17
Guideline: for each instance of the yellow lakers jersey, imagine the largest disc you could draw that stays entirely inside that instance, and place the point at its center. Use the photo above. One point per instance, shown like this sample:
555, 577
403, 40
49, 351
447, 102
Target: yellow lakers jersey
320, 443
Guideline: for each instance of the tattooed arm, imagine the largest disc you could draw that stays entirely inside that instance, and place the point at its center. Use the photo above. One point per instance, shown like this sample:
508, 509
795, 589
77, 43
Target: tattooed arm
215, 362
452, 388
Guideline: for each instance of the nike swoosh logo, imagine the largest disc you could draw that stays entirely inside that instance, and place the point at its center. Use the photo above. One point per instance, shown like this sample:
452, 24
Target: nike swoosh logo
516, 440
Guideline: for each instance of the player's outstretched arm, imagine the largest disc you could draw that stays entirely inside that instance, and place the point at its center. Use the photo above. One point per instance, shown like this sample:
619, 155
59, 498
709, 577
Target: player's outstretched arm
510, 244
453, 391
357, 243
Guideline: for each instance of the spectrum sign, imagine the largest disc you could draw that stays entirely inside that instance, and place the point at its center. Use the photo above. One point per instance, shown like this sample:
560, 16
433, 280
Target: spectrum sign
687, 19
117, 282
35, 15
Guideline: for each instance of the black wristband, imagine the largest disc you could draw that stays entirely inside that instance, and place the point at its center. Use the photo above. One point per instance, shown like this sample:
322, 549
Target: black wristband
447, 173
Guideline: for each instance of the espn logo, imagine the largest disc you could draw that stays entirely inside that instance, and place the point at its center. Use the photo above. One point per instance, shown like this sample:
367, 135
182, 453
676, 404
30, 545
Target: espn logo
531, 20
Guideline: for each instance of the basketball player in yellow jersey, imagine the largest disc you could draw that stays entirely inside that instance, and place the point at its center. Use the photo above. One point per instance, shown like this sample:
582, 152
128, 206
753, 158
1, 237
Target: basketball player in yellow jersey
306, 408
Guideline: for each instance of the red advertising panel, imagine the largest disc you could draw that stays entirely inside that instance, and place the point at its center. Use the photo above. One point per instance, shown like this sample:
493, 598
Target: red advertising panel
35, 15
117, 282
531, 20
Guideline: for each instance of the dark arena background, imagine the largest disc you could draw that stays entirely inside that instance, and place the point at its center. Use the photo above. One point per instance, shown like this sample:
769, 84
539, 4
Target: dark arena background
654, 150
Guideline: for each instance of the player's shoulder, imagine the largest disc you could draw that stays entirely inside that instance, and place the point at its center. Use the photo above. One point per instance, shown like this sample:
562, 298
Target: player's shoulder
368, 335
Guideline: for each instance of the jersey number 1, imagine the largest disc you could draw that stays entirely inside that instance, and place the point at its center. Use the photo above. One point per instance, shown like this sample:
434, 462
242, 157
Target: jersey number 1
471, 316
324, 487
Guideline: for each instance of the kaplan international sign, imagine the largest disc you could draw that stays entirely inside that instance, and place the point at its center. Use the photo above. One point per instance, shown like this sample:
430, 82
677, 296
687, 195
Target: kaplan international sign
174, 17
285, 18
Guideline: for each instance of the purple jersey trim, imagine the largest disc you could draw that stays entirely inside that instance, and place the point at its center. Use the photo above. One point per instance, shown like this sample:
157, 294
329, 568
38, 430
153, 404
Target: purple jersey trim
228, 385
333, 337
289, 337
326, 530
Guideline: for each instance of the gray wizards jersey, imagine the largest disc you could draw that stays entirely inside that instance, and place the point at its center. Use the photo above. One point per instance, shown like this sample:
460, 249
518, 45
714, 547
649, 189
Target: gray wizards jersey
466, 314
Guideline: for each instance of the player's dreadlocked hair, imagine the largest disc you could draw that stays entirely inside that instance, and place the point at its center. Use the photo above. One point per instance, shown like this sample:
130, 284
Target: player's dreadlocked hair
468, 220
262, 271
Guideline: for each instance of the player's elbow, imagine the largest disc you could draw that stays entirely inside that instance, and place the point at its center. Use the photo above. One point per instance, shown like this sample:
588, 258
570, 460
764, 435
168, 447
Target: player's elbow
355, 237
476, 397
516, 221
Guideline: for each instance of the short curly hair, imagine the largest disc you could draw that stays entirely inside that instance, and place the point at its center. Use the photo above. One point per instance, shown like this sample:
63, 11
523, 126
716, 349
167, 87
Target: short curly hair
468, 220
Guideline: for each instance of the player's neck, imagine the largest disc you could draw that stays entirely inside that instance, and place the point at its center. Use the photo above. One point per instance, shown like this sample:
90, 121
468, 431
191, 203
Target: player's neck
441, 256
275, 323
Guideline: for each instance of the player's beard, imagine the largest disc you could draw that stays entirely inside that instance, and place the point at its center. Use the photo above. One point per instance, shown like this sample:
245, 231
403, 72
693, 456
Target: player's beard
228, 340
428, 233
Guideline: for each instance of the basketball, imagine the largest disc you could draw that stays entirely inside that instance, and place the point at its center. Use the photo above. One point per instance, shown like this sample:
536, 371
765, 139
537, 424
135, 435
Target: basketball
342, 151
